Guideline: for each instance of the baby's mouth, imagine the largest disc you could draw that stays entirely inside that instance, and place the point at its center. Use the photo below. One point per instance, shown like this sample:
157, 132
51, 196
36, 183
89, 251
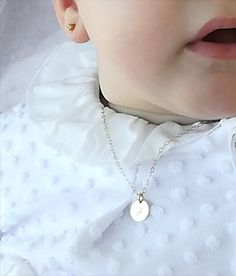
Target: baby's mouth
221, 36
219, 44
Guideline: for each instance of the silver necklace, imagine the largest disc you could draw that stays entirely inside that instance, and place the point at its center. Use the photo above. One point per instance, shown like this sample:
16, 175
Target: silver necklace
140, 209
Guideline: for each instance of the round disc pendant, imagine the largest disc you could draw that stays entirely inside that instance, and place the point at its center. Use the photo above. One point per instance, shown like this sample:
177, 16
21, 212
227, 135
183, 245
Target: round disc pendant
139, 211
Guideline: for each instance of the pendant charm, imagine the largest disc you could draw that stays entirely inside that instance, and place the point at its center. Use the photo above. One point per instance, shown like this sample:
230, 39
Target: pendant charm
139, 209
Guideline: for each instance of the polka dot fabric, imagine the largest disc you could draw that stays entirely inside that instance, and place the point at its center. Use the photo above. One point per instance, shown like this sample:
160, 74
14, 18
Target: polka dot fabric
59, 217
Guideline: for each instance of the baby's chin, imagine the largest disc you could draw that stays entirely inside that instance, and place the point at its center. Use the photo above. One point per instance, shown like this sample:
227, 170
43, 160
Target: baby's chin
212, 97
213, 115
211, 110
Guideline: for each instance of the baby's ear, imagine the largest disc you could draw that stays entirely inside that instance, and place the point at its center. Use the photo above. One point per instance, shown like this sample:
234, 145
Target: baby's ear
67, 12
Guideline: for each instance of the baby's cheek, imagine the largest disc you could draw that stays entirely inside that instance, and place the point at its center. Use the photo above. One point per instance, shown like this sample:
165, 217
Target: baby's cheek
142, 62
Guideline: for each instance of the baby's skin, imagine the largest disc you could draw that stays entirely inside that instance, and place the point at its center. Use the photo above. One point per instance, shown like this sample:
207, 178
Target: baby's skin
143, 61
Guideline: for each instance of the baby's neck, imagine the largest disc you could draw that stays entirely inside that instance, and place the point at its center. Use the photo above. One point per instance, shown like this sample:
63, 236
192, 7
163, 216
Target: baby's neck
151, 117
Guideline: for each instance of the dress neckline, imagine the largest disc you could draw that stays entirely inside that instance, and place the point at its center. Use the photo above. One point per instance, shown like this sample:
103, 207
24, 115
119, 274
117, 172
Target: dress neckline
64, 103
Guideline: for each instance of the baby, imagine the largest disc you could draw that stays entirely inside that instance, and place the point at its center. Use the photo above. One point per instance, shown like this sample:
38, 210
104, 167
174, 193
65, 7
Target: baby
143, 44
121, 160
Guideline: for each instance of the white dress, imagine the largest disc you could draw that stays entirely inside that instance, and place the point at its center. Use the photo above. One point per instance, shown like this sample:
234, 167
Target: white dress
65, 205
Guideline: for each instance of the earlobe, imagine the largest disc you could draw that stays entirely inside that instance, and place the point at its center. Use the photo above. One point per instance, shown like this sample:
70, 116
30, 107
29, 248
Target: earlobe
76, 31
67, 12
61, 8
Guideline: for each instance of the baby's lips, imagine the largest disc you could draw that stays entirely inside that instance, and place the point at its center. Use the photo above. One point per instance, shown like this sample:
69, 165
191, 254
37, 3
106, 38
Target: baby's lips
214, 24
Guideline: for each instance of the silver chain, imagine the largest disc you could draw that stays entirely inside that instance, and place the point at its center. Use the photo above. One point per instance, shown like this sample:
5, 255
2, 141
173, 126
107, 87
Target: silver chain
161, 149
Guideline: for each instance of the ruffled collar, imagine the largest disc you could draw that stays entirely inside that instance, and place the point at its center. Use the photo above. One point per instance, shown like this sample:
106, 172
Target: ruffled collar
63, 102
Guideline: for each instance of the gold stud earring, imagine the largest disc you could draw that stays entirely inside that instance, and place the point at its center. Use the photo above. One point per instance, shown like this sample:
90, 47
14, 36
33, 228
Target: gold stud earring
71, 26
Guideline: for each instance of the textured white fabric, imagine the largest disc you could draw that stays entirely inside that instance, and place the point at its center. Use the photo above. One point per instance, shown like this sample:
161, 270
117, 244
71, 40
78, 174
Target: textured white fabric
65, 206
